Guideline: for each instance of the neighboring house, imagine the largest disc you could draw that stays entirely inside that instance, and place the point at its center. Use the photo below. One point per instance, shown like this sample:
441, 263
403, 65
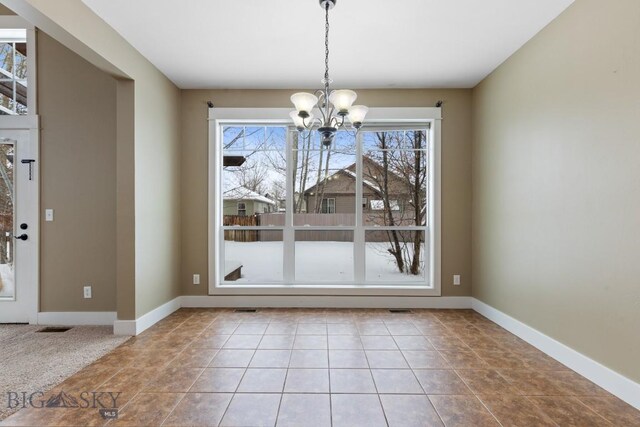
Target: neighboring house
241, 201
282, 203
338, 193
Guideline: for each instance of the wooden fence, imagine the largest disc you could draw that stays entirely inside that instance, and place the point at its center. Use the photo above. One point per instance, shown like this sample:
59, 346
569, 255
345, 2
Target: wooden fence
311, 220
241, 235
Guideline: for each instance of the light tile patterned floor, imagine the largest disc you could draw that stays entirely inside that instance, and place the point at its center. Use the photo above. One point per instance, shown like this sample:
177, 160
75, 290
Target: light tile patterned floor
305, 367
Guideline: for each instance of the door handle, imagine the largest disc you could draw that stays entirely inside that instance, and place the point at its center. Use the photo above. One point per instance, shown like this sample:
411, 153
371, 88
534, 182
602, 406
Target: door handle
22, 237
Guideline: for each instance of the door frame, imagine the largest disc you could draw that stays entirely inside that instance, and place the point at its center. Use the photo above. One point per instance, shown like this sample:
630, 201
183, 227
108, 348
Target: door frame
29, 267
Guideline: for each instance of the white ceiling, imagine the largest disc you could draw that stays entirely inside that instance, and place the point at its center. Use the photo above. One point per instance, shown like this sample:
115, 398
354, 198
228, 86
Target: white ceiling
374, 43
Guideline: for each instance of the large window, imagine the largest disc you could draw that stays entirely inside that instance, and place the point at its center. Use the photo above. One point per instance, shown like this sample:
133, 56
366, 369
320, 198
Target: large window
13, 71
290, 212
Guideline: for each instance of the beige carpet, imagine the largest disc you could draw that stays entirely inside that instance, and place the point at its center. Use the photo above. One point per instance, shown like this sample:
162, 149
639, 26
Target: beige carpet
34, 361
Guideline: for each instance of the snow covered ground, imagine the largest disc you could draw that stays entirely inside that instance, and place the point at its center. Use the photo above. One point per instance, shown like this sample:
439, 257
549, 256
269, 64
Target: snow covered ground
315, 262
6, 281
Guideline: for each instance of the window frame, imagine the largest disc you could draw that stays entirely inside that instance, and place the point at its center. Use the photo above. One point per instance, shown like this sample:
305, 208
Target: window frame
244, 208
16, 22
329, 205
378, 118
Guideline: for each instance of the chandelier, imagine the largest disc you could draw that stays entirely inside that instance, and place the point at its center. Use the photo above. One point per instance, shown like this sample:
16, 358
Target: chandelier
334, 106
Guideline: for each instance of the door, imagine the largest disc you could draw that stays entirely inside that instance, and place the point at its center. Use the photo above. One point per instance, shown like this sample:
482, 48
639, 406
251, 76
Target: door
18, 225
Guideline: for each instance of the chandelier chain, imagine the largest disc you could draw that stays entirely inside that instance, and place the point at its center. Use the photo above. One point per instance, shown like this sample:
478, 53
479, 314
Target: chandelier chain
326, 47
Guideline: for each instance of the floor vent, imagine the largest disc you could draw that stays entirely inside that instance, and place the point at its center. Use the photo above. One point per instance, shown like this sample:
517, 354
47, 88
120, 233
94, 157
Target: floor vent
54, 329
245, 310
399, 310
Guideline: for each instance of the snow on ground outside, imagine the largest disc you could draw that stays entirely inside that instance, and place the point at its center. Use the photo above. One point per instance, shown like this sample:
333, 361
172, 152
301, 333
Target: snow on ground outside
315, 261
6, 280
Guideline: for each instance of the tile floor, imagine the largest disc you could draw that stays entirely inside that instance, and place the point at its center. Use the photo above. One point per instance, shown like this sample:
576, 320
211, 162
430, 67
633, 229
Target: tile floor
304, 367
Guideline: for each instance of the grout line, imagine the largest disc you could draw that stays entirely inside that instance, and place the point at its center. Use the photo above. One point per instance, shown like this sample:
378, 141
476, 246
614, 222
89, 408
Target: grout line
146, 383
541, 410
451, 327
384, 413
173, 409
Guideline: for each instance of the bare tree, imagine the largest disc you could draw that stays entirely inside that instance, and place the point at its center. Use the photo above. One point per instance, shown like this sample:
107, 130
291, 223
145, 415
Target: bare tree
278, 192
302, 153
382, 179
254, 173
323, 176
398, 170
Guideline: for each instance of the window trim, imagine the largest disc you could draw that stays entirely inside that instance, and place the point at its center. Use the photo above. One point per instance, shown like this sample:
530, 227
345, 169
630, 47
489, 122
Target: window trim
382, 118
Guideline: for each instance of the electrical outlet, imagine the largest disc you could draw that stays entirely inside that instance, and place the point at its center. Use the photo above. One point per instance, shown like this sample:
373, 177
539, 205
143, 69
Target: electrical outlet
48, 215
196, 279
87, 291
456, 279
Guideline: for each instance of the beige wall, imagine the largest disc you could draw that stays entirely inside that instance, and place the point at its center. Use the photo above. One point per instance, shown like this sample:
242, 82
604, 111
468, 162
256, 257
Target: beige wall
556, 183
125, 202
77, 106
456, 172
152, 127
4, 10
157, 192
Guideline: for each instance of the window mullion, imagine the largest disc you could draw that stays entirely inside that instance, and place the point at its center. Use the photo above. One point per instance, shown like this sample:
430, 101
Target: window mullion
358, 237
289, 234
218, 191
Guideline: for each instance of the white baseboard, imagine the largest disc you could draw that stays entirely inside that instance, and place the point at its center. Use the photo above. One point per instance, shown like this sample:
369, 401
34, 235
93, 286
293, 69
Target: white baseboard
125, 327
322, 301
135, 327
76, 318
613, 382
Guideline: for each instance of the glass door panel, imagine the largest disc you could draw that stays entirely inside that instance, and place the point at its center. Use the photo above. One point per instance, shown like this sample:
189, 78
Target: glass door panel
7, 194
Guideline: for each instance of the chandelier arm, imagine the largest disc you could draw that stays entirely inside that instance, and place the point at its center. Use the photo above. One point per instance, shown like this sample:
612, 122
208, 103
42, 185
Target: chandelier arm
322, 101
312, 123
333, 109
323, 112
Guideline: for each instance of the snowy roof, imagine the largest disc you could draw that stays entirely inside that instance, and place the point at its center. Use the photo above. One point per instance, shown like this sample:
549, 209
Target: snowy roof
238, 192
364, 181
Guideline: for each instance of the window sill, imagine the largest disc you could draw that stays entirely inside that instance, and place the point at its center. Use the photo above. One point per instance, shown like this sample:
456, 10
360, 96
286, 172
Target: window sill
326, 289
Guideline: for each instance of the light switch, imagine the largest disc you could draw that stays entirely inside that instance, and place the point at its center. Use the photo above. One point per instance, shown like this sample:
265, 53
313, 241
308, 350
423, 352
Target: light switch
48, 215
